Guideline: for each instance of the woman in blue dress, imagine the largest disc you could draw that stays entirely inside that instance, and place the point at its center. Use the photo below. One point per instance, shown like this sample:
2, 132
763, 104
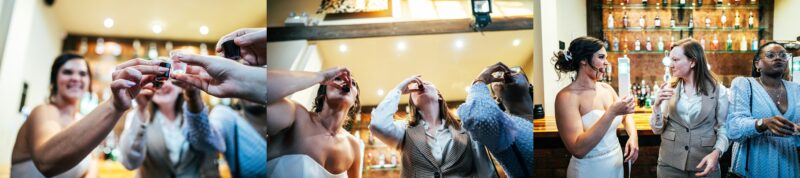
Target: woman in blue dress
762, 116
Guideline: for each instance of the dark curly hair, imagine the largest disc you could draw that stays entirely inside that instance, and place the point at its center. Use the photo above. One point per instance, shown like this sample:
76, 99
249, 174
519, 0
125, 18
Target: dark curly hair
580, 49
354, 110
757, 57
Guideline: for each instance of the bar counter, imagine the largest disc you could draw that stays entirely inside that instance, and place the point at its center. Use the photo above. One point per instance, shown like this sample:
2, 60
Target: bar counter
552, 157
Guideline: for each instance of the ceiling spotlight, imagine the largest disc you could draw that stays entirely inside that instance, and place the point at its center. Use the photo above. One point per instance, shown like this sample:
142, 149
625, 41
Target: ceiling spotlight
516, 42
157, 29
108, 22
401, 46
343, 47
459, 44
204, 30
380, 92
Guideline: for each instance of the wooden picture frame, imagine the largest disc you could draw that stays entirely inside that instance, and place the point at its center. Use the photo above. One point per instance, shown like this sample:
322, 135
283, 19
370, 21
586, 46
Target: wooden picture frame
342, 13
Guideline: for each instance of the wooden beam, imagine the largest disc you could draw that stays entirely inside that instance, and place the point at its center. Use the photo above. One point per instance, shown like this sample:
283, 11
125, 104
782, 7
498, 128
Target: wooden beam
393, 29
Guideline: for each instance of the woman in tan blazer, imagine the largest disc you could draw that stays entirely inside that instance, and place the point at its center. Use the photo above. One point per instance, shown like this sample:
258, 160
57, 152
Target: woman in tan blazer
689, 114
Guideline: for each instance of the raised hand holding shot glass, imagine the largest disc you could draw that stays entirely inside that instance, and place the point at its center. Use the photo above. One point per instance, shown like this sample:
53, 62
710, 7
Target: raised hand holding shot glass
222, 77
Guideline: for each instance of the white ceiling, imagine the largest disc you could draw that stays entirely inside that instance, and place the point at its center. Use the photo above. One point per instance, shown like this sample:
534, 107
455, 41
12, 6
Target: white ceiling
377, 63
181, 19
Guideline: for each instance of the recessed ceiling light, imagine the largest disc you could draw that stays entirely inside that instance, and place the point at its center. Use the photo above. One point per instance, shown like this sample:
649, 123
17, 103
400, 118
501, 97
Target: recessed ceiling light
459, 44
516, 42
157, 29
108, 22
401, 46
204, 30
380, 92
343, 47
466, 89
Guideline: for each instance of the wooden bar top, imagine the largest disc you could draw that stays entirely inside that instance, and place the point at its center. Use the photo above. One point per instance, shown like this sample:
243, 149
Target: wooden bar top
546, 127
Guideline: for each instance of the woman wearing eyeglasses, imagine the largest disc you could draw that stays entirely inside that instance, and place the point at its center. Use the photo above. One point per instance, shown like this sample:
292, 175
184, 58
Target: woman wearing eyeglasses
762, 116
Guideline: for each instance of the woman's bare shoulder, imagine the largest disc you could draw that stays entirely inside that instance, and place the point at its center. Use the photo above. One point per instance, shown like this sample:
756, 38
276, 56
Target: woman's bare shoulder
44, 111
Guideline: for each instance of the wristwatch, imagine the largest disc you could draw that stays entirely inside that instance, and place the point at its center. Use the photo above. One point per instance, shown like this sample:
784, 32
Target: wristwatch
759, 124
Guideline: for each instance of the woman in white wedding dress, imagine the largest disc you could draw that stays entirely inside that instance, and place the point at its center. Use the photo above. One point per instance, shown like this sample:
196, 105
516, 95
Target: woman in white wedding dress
588, 113
312, 144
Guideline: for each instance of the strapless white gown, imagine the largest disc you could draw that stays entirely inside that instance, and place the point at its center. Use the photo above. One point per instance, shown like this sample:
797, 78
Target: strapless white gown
27, 169
298, 166
605, 159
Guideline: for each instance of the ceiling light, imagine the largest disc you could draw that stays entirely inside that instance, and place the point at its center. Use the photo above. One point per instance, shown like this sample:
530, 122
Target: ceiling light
204, 30
380, 92
108, 22
459, 44
157, 29
516, 42
401, 46
343, 47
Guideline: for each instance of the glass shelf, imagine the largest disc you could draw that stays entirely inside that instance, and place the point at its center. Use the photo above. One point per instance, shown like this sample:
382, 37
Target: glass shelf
385, 167
685, 29
706, 51
651, 6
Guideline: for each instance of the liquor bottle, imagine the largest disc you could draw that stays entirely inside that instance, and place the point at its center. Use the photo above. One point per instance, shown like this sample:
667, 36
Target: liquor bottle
394, 159
691, 21
715, 43
683, 2
655, 88
754, 44
648, 100
635, 91
752, 1
625, 45
642, 94
637, 46
671, 22
719, 2
616, 44
381, 159
649, 45
664, 3
703, 42
743, 44
660, 43
729, 43
610, 20
641, 21
708, 22
723, 19
368, 160
699, 3
625, 20
644, 3
666, 61
736, 23
658, 22
750, 21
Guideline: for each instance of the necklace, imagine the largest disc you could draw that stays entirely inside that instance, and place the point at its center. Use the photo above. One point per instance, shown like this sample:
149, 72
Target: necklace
770, 93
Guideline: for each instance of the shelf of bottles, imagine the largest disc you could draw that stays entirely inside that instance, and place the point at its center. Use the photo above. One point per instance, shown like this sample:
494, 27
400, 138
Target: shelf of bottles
380, 160
644, 30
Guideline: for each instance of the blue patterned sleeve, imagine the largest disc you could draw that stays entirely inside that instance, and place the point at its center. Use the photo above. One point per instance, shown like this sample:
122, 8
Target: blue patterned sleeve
740, 122
485, 121
200, 133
